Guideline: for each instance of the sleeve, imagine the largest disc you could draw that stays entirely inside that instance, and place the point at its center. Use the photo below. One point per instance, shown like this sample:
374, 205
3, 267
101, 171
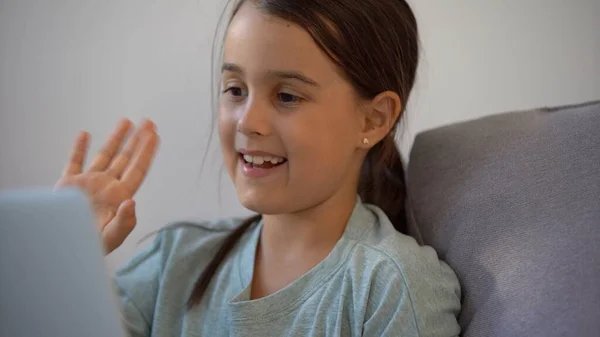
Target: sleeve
137, 284
418, 298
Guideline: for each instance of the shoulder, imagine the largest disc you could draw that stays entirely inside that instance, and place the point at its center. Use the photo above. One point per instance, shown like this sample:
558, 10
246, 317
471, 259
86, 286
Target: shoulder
176, 243
401, 255
180, 240
407, 278
176, 250
186, 233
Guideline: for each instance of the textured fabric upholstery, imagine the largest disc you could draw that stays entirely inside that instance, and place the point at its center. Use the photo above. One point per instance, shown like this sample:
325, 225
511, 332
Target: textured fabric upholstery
512, 203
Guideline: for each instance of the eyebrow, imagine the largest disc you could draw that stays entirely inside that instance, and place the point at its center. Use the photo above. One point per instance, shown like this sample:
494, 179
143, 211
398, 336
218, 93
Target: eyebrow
234, 68
292, 75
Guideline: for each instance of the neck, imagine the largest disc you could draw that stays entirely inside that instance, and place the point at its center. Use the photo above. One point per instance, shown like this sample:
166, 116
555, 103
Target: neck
315, 229
291, 244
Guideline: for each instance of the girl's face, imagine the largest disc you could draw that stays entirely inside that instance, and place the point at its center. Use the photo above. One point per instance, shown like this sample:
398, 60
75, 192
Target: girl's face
289, 123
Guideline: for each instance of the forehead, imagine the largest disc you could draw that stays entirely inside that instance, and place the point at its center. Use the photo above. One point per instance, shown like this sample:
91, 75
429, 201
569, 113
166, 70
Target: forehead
259, 42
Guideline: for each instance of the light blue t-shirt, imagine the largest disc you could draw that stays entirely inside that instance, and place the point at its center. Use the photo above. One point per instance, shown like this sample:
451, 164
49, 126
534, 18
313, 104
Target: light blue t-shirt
375, 282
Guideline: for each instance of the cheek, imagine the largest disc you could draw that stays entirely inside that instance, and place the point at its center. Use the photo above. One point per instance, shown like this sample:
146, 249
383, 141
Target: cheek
323, 148
227, 130
326, 151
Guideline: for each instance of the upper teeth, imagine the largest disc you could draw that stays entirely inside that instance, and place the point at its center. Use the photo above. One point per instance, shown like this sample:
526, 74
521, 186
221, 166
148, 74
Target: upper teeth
259, 160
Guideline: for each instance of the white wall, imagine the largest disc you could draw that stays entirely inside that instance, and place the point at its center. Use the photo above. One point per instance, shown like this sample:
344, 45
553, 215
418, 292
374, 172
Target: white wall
67, 65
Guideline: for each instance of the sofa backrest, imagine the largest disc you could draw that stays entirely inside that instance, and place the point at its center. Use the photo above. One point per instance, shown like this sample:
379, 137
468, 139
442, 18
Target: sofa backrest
512, 203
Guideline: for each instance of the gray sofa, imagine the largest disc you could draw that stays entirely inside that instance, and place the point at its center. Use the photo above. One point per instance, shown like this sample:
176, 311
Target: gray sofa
512, 203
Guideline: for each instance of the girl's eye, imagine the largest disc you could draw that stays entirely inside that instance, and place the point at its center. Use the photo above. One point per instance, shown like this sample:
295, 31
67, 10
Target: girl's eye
288, 98
234, 91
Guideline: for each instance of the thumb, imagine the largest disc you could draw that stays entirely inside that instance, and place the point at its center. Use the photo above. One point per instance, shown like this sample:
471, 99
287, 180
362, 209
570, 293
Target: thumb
117, 230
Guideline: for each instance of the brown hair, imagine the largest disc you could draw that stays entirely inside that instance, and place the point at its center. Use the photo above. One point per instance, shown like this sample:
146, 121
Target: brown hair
375, 44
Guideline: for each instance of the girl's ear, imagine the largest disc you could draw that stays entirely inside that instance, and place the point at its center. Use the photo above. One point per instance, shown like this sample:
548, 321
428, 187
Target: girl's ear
380, 116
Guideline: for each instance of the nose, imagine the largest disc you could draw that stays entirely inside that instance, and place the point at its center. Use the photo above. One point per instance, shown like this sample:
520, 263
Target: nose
254, 119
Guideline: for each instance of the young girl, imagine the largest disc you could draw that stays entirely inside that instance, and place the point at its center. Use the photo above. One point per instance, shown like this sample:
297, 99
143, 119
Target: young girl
311, 94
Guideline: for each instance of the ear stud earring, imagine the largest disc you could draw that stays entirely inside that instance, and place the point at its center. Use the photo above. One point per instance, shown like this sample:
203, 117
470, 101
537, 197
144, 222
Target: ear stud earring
365, 141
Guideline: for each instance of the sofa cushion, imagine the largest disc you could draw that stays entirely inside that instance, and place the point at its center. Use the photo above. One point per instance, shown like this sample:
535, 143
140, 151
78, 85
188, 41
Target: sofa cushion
512, 203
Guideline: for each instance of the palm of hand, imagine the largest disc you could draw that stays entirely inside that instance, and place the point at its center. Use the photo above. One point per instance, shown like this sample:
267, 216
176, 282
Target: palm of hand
113, 178
106, 193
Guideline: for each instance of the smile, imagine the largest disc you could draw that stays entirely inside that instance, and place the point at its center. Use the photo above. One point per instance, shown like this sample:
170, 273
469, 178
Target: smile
262, 160
260, 165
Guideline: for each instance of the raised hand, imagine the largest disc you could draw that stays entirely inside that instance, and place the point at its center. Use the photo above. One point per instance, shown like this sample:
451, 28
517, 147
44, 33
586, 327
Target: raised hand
113, 178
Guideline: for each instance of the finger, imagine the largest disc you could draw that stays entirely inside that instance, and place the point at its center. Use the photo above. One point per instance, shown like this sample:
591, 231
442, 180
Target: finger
77, 156
119, 164
138, 169
117, 230
148, 124
112, 145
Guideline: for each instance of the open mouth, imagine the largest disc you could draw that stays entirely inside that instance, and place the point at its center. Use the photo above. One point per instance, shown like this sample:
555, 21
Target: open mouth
264, 162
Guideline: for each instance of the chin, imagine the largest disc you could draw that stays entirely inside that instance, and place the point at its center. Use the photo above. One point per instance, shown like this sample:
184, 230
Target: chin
262, 203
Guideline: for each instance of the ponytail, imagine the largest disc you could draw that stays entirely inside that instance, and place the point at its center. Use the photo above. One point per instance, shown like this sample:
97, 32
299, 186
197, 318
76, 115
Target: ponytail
207, 274
382, 181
